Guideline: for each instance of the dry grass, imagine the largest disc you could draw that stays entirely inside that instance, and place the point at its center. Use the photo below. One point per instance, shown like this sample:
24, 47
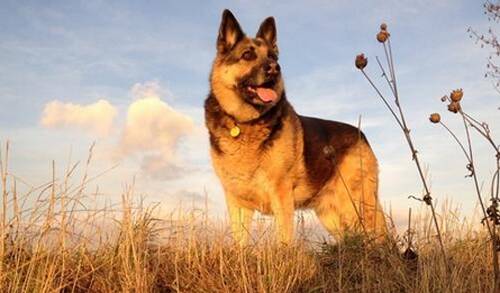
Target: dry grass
52, 240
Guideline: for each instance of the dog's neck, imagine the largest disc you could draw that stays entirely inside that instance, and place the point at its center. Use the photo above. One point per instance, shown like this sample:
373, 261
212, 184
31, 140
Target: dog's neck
234, 106
252, 113
266, 127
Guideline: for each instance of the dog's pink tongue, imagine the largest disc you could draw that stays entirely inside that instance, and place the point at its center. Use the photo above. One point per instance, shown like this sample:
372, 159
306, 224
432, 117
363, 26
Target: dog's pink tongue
266, 95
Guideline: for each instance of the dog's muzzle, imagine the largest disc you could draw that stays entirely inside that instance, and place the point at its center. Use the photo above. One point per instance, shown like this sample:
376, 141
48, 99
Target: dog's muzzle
272, 69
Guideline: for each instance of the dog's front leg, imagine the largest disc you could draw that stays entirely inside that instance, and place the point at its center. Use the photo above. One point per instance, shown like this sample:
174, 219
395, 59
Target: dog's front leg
282, 204
241, 221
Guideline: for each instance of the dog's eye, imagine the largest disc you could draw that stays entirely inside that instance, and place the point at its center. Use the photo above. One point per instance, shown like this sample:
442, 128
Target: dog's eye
248, 55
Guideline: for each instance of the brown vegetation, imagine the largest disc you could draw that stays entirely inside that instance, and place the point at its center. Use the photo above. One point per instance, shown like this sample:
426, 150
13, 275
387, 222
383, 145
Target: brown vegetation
57, 243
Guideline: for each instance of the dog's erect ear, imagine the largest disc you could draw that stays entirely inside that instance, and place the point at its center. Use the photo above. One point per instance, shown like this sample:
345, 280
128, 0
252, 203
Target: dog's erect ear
230, 32
267, 31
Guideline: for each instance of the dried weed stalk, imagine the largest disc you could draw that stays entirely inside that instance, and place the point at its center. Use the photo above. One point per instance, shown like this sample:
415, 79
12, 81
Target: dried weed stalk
397, 112
491, 214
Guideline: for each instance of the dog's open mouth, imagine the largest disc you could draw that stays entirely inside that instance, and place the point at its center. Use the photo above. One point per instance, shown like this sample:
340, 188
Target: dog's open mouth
264, 92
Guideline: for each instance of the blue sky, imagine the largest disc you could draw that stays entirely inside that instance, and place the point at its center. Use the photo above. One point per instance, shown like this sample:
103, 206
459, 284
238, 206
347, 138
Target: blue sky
80, 52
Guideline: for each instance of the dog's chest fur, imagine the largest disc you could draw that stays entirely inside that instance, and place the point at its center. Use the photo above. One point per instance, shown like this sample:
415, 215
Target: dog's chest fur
248, 173
265, 152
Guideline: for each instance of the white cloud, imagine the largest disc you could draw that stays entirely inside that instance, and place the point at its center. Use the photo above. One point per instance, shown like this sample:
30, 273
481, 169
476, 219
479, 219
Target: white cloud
96, 118
150, 89
153, 130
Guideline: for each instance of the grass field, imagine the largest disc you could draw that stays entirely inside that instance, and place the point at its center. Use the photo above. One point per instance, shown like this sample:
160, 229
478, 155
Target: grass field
55, 244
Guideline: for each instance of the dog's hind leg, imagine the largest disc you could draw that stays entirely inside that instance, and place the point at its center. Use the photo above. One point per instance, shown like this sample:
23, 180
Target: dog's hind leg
336, 213
349, 201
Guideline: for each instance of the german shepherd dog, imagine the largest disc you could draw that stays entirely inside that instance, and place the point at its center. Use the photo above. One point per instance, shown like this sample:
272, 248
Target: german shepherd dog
272, 160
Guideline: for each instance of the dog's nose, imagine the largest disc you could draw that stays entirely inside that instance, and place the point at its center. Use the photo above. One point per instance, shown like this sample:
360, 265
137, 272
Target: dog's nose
272, 68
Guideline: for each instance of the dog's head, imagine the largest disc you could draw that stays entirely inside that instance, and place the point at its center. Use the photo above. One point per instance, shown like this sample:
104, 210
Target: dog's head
246, 76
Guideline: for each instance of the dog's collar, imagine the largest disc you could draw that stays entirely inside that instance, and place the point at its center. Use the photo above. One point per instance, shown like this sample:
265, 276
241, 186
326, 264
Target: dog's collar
234, 126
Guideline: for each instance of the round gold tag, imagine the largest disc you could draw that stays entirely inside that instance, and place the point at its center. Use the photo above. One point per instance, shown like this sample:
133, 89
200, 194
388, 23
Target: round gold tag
235, 131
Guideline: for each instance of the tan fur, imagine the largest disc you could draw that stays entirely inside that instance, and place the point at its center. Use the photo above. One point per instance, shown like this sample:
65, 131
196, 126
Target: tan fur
260, 180
352, 196
274, 179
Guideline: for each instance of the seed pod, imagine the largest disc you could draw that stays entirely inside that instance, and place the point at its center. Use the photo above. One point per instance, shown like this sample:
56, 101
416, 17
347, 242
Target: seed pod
361, 61
454, 107
382, 36
435, 118
456, 95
